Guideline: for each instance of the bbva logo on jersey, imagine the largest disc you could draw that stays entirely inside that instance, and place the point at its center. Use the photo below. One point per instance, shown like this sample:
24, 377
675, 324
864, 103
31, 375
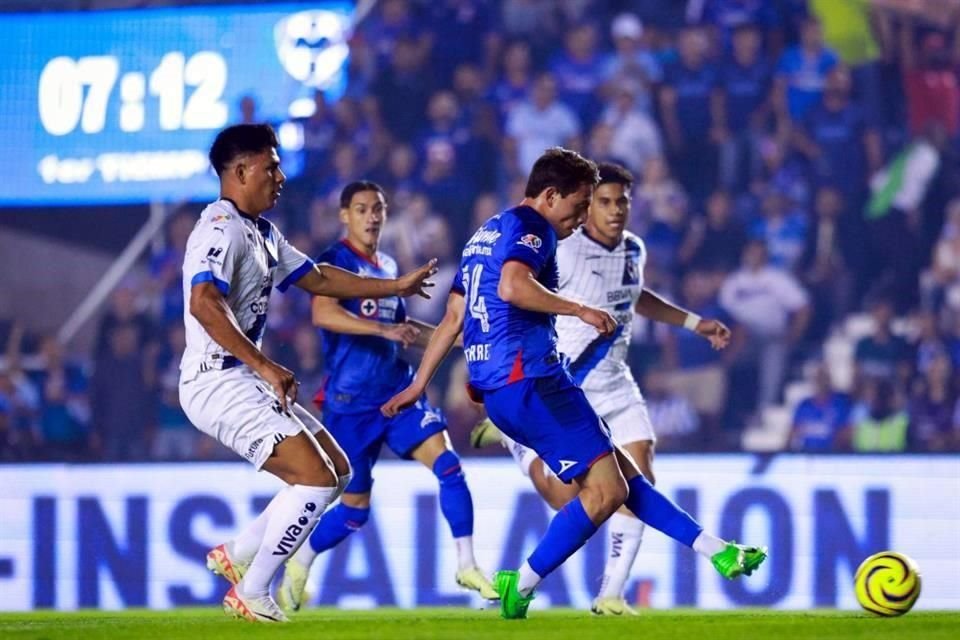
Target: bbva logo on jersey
532, 241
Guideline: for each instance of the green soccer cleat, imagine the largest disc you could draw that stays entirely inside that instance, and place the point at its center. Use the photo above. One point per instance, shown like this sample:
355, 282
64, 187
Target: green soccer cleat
291, 594
513, 606
484, 434
738, 559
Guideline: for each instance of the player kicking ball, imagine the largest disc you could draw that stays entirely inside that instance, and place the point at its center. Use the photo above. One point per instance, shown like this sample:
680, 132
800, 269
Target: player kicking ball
505, 303
362, 340
601, 264
230, 390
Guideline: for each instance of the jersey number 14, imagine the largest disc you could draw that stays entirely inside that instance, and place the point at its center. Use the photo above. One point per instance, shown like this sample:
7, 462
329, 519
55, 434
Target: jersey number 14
475, 301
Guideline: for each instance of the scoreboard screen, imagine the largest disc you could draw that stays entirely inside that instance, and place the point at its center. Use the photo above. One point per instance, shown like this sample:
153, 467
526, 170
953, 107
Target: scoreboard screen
121, 106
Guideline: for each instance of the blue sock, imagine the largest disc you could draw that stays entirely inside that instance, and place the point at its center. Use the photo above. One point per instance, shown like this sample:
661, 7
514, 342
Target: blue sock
335, 525
568, 531
658, 511
456, 503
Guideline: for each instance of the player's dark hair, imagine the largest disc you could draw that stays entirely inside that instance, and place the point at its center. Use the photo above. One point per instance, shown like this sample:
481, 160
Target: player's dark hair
611, 172
563, 169
352, 189
239, 140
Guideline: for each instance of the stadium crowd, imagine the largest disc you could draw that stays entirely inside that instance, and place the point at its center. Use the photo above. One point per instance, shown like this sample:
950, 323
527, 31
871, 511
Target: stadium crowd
797, 164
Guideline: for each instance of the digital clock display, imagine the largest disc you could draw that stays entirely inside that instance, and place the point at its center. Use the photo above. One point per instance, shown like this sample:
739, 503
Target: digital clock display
121, 106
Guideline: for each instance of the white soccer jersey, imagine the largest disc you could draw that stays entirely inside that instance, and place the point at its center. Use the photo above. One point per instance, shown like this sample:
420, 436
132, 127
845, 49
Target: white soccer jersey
609, 279
244, 258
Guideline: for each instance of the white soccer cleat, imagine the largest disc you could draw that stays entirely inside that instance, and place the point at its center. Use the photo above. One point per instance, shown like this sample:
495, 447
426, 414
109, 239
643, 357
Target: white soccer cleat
220, 561
474, 580
612, 607
262, 609
293, 586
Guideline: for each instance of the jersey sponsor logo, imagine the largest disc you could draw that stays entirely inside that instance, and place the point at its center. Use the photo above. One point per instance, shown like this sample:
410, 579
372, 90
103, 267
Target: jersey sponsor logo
289, 539
252, 450
566, 464
631, 271
532, 241
619, 295
369, 307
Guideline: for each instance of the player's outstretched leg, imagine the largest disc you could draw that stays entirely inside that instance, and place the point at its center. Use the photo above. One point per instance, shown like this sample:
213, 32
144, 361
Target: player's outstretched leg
456, 504
312, 480
731, 560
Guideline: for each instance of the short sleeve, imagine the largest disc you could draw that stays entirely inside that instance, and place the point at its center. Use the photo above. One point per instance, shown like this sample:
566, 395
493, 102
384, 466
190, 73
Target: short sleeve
215, 256
531, 241
457, 285
292, 264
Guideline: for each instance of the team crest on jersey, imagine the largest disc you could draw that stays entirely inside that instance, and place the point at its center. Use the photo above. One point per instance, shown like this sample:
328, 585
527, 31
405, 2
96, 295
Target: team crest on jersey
631, 271
369, 307
532, 241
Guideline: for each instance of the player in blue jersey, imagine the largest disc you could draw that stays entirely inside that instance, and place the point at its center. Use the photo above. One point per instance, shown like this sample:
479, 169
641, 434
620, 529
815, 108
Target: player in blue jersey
362, 341
505, 304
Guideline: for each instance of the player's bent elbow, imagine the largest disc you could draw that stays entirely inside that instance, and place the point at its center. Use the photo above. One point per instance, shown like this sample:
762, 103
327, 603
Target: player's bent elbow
506, 290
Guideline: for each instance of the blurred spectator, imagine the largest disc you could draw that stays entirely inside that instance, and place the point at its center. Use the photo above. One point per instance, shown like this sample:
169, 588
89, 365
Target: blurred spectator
174, 438
449, 190
635, 136
821, 418
882, 354
463, 33
538, 124
402, 90
165, 285
802, 74
64, 411
516, 77
941, 282
830, 262
248, 110
119, 396
631, 62
690, 99
534, 21
398, 176
656, 198
394, 25
928, 343
782, 228
438, 239
930, 79
837, 141
746, 78
879, 423
674, 419
714, 242
124, 310
933, 423
319, 131
404, 237
773, 309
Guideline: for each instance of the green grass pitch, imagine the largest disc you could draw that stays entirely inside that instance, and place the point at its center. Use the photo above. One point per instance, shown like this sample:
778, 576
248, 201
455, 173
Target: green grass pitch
454, 624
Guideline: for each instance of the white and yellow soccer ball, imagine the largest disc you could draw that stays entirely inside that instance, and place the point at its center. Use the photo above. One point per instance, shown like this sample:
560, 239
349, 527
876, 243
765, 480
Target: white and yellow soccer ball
887, 584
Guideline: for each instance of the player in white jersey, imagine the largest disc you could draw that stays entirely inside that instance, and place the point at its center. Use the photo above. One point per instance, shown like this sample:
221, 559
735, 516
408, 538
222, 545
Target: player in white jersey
230, 390
601, 265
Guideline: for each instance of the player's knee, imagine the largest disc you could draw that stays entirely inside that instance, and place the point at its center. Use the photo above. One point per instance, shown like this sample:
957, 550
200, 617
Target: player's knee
315, 473
447, 469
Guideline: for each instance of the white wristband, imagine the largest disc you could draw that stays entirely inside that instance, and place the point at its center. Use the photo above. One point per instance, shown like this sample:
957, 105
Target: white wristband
691, 322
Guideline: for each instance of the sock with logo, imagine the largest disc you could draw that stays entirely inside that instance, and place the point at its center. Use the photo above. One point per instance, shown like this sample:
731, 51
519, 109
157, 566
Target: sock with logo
570, 528
658, 511
625, 533
335, 526
244, 546
456, 504
291, 521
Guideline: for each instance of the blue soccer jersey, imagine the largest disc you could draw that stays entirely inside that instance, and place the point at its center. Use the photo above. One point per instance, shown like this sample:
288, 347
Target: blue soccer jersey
502, 343
365, 371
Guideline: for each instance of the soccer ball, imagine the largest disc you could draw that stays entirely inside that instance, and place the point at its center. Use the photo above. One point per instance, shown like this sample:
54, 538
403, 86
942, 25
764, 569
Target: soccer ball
887, 584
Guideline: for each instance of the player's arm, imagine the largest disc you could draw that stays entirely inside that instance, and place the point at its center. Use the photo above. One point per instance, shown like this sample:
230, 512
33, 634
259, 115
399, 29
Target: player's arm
519, 286
334, 282
442, 340
652, 306
211, 310
328, 314
426, 332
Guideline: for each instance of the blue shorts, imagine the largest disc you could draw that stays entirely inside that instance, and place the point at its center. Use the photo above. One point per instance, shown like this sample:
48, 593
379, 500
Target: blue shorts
361, 435
551, 416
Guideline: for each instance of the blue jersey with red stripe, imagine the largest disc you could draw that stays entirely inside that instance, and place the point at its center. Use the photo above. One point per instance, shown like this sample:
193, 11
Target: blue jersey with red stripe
503, 343
364, 371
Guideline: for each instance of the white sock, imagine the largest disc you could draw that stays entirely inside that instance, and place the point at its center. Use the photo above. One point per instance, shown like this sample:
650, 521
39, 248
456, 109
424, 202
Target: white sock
291, 521
244, 546
523, 455
625, 534
465, 559
708, 545
529, 579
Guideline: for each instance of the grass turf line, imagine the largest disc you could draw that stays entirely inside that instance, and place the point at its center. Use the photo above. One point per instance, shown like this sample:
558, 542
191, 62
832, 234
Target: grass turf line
452, 623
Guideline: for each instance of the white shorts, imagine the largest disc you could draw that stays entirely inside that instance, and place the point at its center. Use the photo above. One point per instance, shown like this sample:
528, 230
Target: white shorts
240, 410
628, 418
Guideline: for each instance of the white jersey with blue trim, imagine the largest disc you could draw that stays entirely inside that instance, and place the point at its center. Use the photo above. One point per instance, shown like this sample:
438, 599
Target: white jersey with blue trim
244, 258
609, 279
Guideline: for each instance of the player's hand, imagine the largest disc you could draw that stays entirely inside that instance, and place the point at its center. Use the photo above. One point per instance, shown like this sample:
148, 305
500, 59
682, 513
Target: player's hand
282, 381
599, 319
715, 331
406, 398
405, 333
415, 282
